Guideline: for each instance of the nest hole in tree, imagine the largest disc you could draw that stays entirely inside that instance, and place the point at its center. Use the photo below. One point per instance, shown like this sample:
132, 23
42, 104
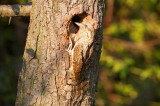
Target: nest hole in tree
78, 18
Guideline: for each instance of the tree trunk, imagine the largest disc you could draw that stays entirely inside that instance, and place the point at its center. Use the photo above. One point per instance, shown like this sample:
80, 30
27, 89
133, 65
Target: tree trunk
61, 57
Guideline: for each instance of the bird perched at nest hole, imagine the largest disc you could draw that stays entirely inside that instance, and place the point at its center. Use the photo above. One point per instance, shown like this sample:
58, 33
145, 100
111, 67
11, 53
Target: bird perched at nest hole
80, 50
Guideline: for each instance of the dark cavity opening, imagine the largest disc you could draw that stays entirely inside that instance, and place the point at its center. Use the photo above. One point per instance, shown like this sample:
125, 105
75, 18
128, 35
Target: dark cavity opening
78, 18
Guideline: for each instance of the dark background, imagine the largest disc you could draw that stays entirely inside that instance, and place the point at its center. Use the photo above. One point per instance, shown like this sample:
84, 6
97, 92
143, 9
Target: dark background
130, 59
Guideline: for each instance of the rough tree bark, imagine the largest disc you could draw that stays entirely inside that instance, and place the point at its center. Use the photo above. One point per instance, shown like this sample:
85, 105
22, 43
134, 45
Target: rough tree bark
61, 57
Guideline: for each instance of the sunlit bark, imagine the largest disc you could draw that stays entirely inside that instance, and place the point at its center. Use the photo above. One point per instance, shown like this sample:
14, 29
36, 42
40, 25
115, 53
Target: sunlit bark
61, 57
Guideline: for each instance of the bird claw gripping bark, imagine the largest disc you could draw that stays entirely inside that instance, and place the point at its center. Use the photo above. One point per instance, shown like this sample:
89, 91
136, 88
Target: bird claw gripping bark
70, 46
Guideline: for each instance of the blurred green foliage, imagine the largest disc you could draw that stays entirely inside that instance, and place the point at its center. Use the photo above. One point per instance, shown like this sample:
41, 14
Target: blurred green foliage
12, 41
130, 58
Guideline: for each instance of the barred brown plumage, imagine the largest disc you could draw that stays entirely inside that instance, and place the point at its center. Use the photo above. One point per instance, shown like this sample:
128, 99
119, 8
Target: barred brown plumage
82, 41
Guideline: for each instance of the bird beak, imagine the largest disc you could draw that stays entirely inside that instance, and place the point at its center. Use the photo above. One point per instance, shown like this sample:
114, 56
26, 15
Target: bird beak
78, 24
